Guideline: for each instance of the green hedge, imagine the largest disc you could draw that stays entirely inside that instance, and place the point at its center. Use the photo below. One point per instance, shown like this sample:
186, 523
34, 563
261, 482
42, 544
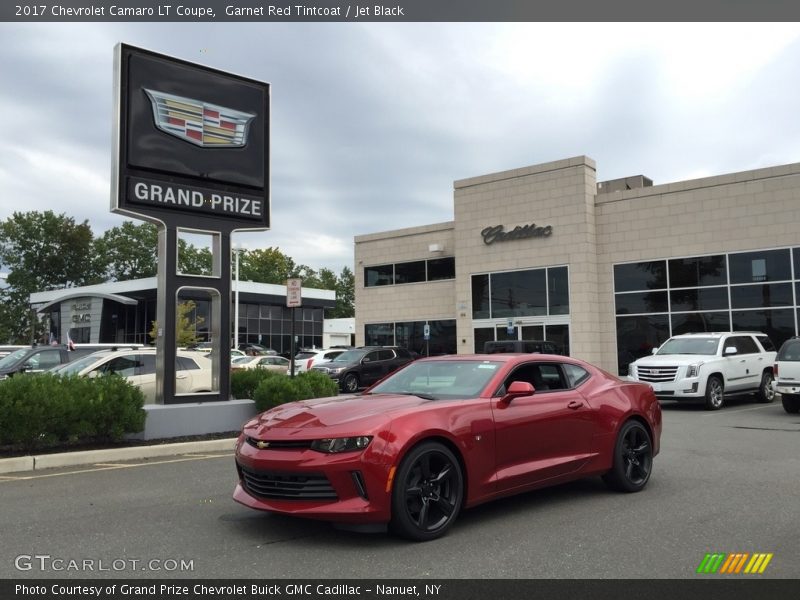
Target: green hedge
279, 389
37, 411
245, 381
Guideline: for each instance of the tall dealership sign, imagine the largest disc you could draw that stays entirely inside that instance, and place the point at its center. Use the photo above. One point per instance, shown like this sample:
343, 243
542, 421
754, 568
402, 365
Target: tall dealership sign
192, 156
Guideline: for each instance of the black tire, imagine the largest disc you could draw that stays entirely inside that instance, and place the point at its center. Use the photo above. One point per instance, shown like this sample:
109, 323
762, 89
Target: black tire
350, 383
633, 459
715, 393
428, 492
791, 403
765, 392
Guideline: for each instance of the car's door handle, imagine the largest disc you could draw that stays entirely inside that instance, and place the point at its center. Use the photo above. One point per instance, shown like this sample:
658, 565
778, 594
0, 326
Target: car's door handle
575, 404
179, 376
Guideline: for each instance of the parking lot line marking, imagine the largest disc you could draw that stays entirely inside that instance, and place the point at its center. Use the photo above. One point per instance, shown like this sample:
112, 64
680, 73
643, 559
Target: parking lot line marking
728, 410
112, 466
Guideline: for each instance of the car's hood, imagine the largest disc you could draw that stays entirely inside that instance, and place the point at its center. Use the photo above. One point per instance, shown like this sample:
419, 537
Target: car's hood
656, 360
348, 412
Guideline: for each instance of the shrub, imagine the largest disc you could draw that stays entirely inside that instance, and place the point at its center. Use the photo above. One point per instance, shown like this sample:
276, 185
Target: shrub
45, 410
245, 381
280, 389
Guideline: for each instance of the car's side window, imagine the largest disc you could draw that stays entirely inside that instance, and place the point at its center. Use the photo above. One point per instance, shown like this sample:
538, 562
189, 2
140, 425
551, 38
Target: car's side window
185, 364
542, 376
121, 365
146, 364
744, 344
575, 375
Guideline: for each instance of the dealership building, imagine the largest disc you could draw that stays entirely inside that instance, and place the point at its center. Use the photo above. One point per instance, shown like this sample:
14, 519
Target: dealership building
607, 270
124, 312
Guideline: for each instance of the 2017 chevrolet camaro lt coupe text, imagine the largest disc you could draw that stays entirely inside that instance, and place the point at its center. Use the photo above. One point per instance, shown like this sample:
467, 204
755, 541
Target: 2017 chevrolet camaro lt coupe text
447, 433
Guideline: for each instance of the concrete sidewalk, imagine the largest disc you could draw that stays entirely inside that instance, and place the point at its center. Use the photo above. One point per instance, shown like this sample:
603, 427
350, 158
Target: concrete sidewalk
88, 457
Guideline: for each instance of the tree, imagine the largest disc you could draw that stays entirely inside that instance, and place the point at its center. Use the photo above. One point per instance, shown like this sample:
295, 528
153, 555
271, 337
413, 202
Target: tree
345, 295
41, 251
268, 265
185, 324
129, 251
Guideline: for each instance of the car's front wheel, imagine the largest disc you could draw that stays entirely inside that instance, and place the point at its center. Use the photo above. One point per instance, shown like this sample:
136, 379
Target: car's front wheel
633, 459
428, 492
765, 391
791, 403
715, 393
350, 383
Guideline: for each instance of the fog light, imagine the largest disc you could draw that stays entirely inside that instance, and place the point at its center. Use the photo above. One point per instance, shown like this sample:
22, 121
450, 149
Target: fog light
693, 390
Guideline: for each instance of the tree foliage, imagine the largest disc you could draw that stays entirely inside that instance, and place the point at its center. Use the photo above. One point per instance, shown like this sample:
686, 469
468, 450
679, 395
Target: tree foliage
44, 251
186, 324
41, 251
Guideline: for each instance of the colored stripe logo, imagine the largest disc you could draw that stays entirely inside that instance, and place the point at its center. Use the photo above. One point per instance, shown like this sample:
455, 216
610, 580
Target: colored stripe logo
735, 563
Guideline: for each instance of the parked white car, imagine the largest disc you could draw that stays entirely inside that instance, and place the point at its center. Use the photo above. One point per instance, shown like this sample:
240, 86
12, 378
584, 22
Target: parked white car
708, 366
787, 375
305, 359
193, 374
271, 363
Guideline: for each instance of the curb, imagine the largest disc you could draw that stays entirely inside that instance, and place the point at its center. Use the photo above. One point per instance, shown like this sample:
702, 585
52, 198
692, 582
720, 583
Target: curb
88, 457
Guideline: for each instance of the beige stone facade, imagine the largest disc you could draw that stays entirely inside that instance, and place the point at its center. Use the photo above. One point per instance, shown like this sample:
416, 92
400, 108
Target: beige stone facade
592, 229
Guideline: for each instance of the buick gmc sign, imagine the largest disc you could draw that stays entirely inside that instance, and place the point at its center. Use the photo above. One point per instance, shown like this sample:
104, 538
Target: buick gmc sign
192, 143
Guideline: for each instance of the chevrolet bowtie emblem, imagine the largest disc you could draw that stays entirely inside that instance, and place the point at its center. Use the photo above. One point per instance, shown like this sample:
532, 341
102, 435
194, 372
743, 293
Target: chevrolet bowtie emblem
262, 444
201, 123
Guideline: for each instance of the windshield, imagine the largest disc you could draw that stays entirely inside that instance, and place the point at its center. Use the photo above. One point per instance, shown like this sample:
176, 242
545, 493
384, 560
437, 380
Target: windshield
704, 345
350, 356
11, 359
440, 379
78, 365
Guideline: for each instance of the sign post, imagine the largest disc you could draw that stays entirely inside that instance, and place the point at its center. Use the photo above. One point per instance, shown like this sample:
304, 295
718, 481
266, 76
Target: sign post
192, 155
294, 299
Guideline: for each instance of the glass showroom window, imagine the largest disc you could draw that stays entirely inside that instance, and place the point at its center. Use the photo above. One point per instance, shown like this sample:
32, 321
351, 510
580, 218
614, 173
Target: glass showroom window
410, 272
379, 334
742, 291
535, 292
379, 275
441, 268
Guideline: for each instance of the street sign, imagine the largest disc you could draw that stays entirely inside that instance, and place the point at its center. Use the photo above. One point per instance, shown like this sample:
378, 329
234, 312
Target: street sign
426, 332
294, 296
510, 327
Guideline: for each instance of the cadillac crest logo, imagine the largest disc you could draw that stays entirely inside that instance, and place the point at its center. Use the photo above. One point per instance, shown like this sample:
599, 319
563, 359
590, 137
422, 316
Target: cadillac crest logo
201, 123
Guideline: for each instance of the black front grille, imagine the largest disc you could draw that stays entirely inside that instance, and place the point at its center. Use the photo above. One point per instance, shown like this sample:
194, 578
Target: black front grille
287, 486
282, 445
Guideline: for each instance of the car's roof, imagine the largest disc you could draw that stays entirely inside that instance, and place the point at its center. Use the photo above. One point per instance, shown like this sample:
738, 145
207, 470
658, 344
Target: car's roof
503, 357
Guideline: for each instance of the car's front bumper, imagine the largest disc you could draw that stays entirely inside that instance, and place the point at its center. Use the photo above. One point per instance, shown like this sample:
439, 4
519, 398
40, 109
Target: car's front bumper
688, 388
351, 487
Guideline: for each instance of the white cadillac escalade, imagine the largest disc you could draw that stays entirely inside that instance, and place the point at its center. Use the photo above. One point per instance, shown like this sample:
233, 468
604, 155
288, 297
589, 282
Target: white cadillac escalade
707, 366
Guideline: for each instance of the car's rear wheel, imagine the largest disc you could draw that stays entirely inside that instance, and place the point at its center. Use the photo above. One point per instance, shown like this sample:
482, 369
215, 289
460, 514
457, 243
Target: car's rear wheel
350, 383
765, 391
427, 494
633, 459
791, 403
715, 393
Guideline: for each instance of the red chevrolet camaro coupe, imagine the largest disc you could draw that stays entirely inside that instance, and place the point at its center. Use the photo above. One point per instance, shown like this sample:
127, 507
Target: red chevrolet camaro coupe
447, 433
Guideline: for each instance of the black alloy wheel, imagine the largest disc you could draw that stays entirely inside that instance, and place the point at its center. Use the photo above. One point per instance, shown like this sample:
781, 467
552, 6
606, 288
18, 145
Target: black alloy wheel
350, 383
428, 492
633, 459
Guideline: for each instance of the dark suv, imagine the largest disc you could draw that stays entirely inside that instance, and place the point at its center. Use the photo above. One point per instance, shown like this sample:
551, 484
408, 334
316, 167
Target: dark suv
360, 367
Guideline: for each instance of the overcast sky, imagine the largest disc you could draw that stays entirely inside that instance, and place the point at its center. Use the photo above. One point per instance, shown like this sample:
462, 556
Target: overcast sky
372, 123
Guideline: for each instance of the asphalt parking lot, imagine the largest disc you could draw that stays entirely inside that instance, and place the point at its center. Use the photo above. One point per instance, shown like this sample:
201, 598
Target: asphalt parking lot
725, 481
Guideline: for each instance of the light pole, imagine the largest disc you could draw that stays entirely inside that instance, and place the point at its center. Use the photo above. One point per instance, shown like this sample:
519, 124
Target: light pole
237, 249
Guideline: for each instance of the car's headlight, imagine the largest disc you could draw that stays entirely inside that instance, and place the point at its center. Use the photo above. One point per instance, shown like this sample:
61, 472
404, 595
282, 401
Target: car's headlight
632, 370
347, 444
691, 370
335, 370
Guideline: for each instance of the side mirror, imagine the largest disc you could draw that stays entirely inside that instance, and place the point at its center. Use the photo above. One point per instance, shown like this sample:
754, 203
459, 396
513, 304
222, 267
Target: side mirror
518, 389
654, 350
365, 360
730, 350
93, 374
